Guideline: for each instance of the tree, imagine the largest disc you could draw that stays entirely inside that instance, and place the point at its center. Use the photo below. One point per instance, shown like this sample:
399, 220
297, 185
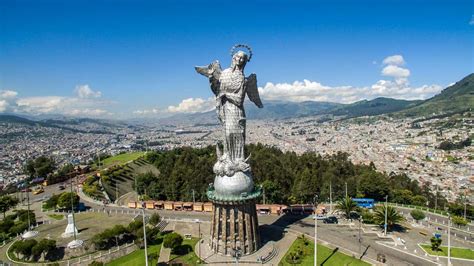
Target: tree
24, 214
154, 219
347, 205
7, 203
44, 247
435, 243
393, 216
458, 220
172, 241
25, 247
52, 202
374, 185
419, 200
64, 200
40, 167
403, 196
18, 228
417, 215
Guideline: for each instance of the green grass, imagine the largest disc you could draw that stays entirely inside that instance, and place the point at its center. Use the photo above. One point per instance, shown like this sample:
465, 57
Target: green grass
463, 253
137, 257
325, 255
190, 258
121, 158
56, 216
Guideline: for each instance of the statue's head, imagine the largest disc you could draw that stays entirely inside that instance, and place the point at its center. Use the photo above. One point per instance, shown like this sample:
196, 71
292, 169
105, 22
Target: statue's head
239, 57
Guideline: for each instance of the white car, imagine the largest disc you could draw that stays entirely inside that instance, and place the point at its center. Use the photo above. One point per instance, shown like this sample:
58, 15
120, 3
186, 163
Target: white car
319, 217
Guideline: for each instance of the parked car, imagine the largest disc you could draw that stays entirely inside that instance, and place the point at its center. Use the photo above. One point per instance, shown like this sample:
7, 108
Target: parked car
330, 220
38, 191
26, 190
319, 216
61, 187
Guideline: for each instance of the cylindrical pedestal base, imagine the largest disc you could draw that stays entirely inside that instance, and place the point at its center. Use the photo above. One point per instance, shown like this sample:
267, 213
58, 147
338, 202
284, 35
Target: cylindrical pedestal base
234, 227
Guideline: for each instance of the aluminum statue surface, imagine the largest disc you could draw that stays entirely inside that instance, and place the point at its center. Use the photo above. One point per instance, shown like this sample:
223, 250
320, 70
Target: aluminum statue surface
230, 87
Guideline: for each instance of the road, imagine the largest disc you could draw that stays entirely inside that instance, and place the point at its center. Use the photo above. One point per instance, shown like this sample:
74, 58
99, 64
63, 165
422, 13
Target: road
337, 235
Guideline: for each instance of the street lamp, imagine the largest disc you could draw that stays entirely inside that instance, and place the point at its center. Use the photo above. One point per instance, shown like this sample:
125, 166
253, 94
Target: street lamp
449, 239
315, 203
199, 235
144, 236
386, 211
360, 238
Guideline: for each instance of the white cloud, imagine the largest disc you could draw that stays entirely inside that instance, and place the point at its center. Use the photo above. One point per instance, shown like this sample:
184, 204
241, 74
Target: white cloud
89, 112
395, 71
86, 103
394, 60
7, 100
84, 91
471, 22
193, 105
148, 111
398, 88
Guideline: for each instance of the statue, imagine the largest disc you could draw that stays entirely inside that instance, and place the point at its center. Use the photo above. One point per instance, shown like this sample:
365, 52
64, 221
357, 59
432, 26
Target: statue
233, 193
230, 87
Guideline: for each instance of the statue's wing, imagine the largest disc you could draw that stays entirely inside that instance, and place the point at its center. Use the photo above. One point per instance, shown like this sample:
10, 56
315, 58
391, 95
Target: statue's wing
252, 90
213, 72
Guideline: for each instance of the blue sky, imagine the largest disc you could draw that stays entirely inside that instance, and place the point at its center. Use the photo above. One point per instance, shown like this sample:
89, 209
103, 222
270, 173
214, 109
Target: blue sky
136, 58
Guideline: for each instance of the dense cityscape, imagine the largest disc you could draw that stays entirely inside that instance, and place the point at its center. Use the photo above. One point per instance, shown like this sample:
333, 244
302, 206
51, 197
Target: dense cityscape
393, 145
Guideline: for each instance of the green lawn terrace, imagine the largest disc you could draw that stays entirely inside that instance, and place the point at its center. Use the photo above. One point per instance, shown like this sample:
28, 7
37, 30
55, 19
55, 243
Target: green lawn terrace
137, 257
185, 255
301, 252
456, 252
120, 159
88, 224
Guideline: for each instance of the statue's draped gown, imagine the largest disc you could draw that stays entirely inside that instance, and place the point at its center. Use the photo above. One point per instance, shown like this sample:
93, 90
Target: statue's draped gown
231, 112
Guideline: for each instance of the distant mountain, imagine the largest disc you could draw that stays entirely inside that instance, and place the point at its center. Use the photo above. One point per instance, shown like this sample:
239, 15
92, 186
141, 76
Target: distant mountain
282, 109
456, 98
80, 125
376, 106
271, 110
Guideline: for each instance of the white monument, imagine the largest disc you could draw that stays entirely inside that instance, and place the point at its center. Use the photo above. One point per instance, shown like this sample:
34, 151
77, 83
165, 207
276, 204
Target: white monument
71, 229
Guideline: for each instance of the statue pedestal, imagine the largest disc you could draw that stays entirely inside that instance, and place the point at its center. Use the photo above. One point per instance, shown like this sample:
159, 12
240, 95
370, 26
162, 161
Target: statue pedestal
234, 223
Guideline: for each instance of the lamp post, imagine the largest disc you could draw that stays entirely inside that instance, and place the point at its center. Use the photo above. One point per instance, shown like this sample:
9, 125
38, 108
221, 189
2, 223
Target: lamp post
386, 211
144, 236
449, 239
315, 203
72, 212
360, 238
346, 190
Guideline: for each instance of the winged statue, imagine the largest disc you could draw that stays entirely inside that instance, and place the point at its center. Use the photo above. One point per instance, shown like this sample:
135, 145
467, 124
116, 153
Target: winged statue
230, 87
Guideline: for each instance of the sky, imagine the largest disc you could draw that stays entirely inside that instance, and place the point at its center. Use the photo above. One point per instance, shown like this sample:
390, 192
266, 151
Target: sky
125, 59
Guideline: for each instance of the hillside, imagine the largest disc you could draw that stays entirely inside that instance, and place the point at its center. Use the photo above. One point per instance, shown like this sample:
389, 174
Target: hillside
376, 106
120, 181
456, 98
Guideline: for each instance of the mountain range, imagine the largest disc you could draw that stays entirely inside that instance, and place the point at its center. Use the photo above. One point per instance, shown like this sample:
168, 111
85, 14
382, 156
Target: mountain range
456, 98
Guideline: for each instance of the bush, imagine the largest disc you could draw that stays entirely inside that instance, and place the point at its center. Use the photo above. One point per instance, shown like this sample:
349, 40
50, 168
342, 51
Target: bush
435, 243
458, 220
18, 228
154, 219
417, 214
367, 217
23, 216
173, 241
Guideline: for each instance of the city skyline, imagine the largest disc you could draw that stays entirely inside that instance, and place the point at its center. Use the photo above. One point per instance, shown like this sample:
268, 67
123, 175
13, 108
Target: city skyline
136, 60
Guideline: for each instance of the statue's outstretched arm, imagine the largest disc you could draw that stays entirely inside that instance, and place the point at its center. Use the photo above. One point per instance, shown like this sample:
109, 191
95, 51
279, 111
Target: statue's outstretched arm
213, 72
